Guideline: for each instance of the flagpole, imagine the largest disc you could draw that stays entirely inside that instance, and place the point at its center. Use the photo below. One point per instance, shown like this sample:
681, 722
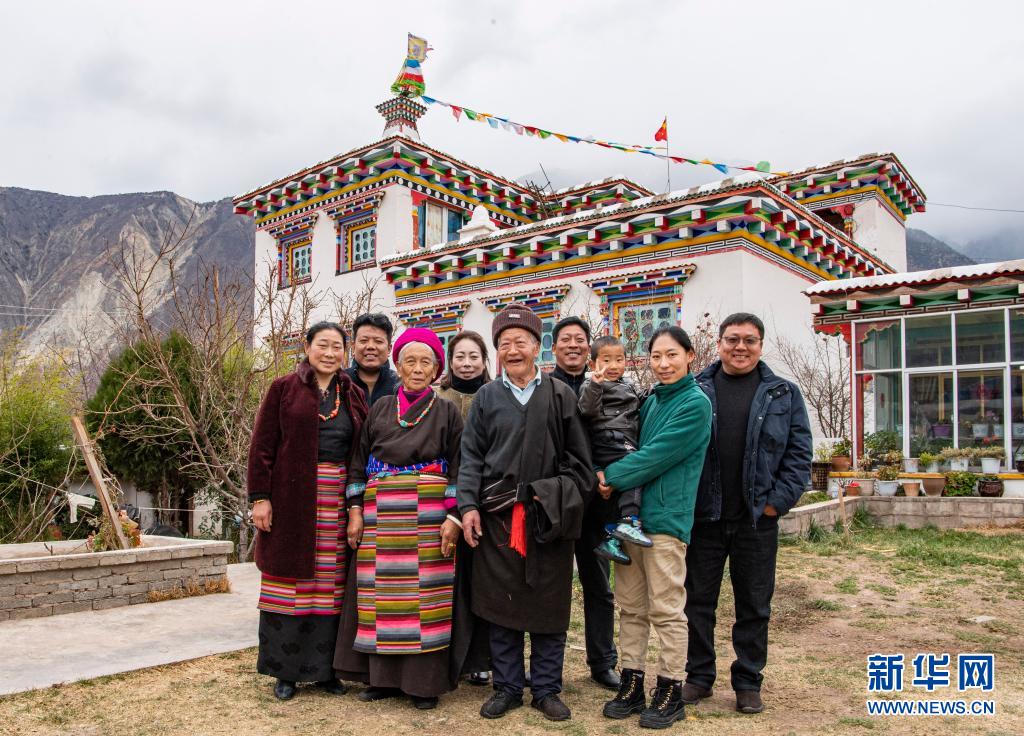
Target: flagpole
668, 161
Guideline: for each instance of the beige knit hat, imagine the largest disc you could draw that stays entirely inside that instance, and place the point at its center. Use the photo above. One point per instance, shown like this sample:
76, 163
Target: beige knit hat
516, 315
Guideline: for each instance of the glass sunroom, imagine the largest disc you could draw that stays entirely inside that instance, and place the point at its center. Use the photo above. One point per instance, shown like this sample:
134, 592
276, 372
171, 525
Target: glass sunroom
938, 357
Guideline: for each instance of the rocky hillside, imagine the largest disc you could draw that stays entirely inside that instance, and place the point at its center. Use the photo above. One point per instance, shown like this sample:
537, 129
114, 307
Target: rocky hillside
925, 252
55, 265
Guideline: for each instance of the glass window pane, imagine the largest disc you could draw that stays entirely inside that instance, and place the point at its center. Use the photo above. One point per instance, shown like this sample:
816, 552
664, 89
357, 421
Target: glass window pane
637, 324
980, 407
931, 412
1017, 334
981, 337
547, 355
928, 341
880, 406
878, 345
1017, 411
435, 228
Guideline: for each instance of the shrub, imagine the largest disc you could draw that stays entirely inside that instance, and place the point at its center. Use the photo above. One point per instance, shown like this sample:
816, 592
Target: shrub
960, 483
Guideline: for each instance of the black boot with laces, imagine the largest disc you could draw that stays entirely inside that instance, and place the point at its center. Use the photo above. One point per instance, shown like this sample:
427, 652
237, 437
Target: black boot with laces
666, 705
630, 698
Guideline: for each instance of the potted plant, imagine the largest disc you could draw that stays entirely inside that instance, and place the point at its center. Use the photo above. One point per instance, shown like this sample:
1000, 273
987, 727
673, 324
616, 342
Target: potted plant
820, 466
990, 486
960, 483
841, 458
991, 458
910, 464
959, 458
912, 486
865, 477
930, 462
853, 488
887, 482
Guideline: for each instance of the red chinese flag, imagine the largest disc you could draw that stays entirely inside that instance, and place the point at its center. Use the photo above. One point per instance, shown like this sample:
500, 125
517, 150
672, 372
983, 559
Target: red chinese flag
662, 134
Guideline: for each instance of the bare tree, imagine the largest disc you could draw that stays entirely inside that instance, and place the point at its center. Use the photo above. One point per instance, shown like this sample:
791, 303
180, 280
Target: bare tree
704, 337
204, 397
821, 369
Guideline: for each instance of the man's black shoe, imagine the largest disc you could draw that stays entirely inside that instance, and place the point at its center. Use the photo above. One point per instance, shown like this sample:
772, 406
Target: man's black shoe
284, 690
334, 687
693, 694
666, 705
500, 703
608, 679
422, 703
371, 694
749, 701
630, 698
552, 707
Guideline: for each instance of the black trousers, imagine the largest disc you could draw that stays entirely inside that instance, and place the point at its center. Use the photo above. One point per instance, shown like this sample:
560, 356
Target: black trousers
751, 553
547, 655
607, 447
598, 601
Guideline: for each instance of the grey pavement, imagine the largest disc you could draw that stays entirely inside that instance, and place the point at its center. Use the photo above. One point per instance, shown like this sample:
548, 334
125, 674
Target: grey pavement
41, 652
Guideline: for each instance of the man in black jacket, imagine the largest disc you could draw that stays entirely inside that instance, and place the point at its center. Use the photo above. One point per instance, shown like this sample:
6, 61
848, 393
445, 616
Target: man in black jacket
371, 346
572, 348
757, 466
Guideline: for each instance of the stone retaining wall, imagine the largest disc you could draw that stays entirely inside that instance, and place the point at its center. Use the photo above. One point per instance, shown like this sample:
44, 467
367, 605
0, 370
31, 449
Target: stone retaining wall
46, 579
914, 513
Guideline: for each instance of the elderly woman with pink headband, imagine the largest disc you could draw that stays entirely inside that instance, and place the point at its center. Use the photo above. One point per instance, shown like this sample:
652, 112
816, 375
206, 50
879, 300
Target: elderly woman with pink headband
396, 626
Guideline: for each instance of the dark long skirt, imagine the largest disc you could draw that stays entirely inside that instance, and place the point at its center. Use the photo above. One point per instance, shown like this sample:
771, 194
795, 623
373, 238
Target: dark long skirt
297, 648
299, 617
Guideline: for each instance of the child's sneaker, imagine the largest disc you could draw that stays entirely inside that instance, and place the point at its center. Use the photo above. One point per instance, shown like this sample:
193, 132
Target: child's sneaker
611, 549
628, 530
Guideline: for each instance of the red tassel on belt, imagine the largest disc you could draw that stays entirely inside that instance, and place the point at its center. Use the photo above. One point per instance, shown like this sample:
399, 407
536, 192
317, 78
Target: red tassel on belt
517, 539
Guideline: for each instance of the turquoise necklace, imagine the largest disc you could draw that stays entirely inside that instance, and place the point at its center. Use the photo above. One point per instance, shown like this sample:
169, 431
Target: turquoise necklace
398, 411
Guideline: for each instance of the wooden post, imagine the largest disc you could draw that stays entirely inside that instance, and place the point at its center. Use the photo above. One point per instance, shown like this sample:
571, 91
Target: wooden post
842, 506
85, 444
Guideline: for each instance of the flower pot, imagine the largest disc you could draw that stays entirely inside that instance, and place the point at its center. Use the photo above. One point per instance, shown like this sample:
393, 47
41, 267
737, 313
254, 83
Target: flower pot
959, 463
997, 431
867, 486
912, 487
943, 431
1018, 430
853, 489
819, 475
910, 464
887, 487
979, 431
990, 488
990, 464
841, 463
932, 468
933, 486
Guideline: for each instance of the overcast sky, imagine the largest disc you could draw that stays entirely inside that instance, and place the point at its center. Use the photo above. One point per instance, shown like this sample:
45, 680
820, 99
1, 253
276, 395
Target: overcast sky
210, 99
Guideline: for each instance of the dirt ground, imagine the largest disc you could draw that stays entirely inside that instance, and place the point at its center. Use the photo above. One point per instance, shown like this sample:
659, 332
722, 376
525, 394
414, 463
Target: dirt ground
889, 591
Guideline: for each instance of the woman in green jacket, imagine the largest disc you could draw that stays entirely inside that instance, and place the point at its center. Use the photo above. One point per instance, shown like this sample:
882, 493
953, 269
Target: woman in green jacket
675, 427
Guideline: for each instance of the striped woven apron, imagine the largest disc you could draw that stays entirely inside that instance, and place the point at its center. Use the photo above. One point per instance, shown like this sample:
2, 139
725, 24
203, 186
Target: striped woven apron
320, 595
404, 583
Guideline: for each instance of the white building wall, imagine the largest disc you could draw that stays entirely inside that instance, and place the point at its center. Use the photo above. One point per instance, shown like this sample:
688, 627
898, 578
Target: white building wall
881, 232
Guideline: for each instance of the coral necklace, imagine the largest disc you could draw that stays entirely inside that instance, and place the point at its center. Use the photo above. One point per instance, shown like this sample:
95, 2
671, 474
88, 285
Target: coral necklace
398, 411
337, 404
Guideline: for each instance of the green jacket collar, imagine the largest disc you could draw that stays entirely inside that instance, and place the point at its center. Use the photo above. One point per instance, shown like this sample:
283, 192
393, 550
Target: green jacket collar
663, 391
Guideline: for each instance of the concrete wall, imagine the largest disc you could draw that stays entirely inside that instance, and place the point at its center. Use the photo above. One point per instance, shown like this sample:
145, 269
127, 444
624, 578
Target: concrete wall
880, 231
914, 513
36, 582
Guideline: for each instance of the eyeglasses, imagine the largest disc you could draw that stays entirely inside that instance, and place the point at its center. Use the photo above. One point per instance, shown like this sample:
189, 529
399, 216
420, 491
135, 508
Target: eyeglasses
750, 342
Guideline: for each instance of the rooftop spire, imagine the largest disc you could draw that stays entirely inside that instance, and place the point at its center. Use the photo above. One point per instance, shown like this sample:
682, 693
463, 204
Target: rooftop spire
400, 116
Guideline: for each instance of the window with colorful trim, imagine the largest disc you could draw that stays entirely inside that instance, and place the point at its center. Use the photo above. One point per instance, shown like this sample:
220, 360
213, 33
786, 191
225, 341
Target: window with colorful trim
298, 265
547, 340
635, 323
362, 246
438, 224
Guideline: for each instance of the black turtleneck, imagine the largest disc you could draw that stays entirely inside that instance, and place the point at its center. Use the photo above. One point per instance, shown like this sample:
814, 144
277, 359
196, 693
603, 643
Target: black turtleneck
468, 386
573, 382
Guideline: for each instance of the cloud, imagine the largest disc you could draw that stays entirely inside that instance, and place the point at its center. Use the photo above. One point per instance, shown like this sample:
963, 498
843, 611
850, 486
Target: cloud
209, 99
